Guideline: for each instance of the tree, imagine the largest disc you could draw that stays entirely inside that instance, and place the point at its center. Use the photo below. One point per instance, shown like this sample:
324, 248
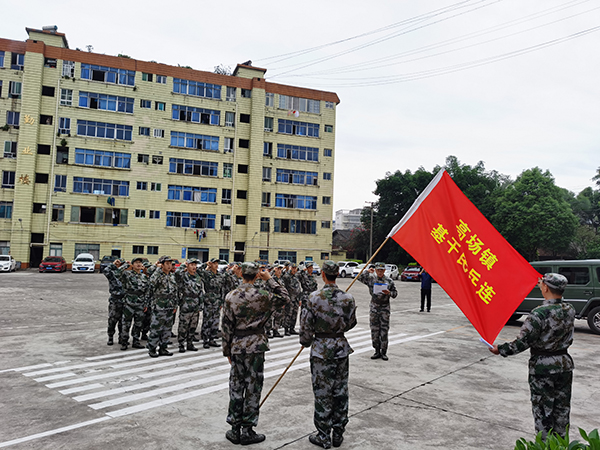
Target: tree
222, 70
596, 178
532, 214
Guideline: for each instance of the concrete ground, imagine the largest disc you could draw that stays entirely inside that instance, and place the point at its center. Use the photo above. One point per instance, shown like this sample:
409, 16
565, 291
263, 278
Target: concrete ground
62, 387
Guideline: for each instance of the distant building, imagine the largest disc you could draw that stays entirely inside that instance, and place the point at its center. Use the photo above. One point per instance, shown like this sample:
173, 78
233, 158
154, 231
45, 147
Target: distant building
347, 219
111, 155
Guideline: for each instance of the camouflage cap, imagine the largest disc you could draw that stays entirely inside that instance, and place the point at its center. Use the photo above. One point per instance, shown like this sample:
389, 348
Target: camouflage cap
380, 265
119, 260
249, 268
330, 268
147, 264
137, 258
308, 264
163, 259
293, 266
193, 261
214, 260
555, 281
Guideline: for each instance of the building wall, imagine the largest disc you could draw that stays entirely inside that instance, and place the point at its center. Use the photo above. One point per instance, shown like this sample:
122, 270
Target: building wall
31, 234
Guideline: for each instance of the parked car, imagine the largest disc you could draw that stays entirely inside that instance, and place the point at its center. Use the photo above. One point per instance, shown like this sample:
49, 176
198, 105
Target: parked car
411, 273
53, 264
583, 289
282, 262
346, 268
7, 263
358, 268
84, 262
316, 268
222, 265
391, 270
106, 261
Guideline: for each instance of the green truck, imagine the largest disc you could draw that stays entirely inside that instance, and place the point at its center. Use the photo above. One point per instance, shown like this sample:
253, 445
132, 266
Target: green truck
583, 289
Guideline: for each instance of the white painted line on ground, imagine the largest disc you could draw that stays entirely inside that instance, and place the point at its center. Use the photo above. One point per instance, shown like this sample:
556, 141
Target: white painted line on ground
115, 355
20, 369
89, 387
85, 365
55, 377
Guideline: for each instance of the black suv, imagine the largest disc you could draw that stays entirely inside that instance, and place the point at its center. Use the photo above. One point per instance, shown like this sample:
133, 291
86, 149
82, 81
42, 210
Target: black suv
583, 289
106, 260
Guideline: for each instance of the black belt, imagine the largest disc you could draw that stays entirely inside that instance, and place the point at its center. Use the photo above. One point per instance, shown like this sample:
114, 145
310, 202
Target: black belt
535, 352
329, 335
248, 332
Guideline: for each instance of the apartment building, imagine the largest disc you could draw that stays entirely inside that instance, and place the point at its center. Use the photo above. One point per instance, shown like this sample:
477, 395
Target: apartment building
111, 155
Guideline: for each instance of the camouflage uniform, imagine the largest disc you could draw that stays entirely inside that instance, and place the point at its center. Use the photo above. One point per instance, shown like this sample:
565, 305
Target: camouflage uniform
135, 286
150, 269
115, 301
230, 281
308, 284
292, 284
274, 323
548, 333
163, 294
328, 314
213, 299
379, 310
190, 290
245, 313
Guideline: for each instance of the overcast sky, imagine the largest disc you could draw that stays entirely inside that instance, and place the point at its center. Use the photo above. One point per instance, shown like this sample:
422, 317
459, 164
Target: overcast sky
541, 108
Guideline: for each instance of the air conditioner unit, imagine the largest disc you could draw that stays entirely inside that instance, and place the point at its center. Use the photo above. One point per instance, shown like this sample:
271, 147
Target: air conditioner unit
226, 222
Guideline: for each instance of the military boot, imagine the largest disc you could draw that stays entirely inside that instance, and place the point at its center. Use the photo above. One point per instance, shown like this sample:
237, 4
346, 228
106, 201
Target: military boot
377, 354
287, 332
110, 340
249, 436
136, 344
233, 435
144, 336
276, 334
320, 441
164, 352
152, 352
206, 344
292, 331
190, 347
124, 345
384, 355
337, 438
181, 348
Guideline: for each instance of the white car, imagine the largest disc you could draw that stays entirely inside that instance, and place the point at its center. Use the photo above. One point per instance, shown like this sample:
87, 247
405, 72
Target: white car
391, 270
358, 268
84, 262
316, 269
346, 268
222, 265
7, 263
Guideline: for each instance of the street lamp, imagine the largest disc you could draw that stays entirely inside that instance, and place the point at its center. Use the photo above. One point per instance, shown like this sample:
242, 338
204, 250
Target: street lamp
371, 232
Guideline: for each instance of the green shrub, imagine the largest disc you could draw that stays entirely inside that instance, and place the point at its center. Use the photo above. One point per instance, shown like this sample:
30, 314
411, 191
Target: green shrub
555, 442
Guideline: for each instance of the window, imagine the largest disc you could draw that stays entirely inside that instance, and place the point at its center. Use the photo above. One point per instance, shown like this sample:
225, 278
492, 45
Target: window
0, 85
160, 106
17, 61
268, 124
190, 220
196, 88
245, 118
146, 76
268, 149
66, 97
192, 194
242, 168
106, 102
246, 93
101, 158
154, 214
266, 199
297, 177
1, 65
297, 152
196, 115
94, 249
299, 104
99, 186
328, 128
97, 215
228, 145
240, 220
295, 201
197, 141
327, 152
329, 105
6, 210
152, 250
162, 79
265, 224
240, 246
140, 214
48, 91
55, 249
227, 170
241, 194
298, 128
269, 99
295, 226
263, 255
143, 158
226, 196
327, 200
107, 74
157, 159
158, 133
104, 130
14, 89
138, 250
10, 149
68, 69
45, 120
12, 118
244, 143
324, 256
142, 186
60, 183
327, 175
230, 95
224, 254
41, 178
325, 224
39, 208
575, 275
192, 167
229, 119
290, 256
144, 131
62, 155
8, 179
266, 174
225, 222
146, 104
43, 149
155, 187
58, 213
64, 125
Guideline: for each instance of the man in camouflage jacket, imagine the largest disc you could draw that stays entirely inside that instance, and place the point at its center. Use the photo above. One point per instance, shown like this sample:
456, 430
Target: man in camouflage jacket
213, 299
379, 309
307, 282
548, 333
115, 301
190, 288
292, 284
245, 313
164, 297
135, 285
329, 313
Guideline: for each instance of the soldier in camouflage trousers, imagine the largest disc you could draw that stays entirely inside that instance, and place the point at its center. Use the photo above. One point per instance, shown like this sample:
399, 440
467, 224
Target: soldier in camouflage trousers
328, 314
213, 299
190, 289
115, 301
135, 285
163, 292
307, 282
277, 317
379, 309
292, 284
548, 333
245, 313
148, 270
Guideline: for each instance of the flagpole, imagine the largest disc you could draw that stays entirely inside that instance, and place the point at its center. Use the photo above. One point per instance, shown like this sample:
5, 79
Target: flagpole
367, 264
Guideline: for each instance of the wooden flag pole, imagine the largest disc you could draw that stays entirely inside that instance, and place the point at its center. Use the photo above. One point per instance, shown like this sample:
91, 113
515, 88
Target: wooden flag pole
368, 262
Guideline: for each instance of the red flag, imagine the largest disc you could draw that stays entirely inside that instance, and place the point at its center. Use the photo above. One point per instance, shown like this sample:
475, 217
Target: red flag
484, 275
